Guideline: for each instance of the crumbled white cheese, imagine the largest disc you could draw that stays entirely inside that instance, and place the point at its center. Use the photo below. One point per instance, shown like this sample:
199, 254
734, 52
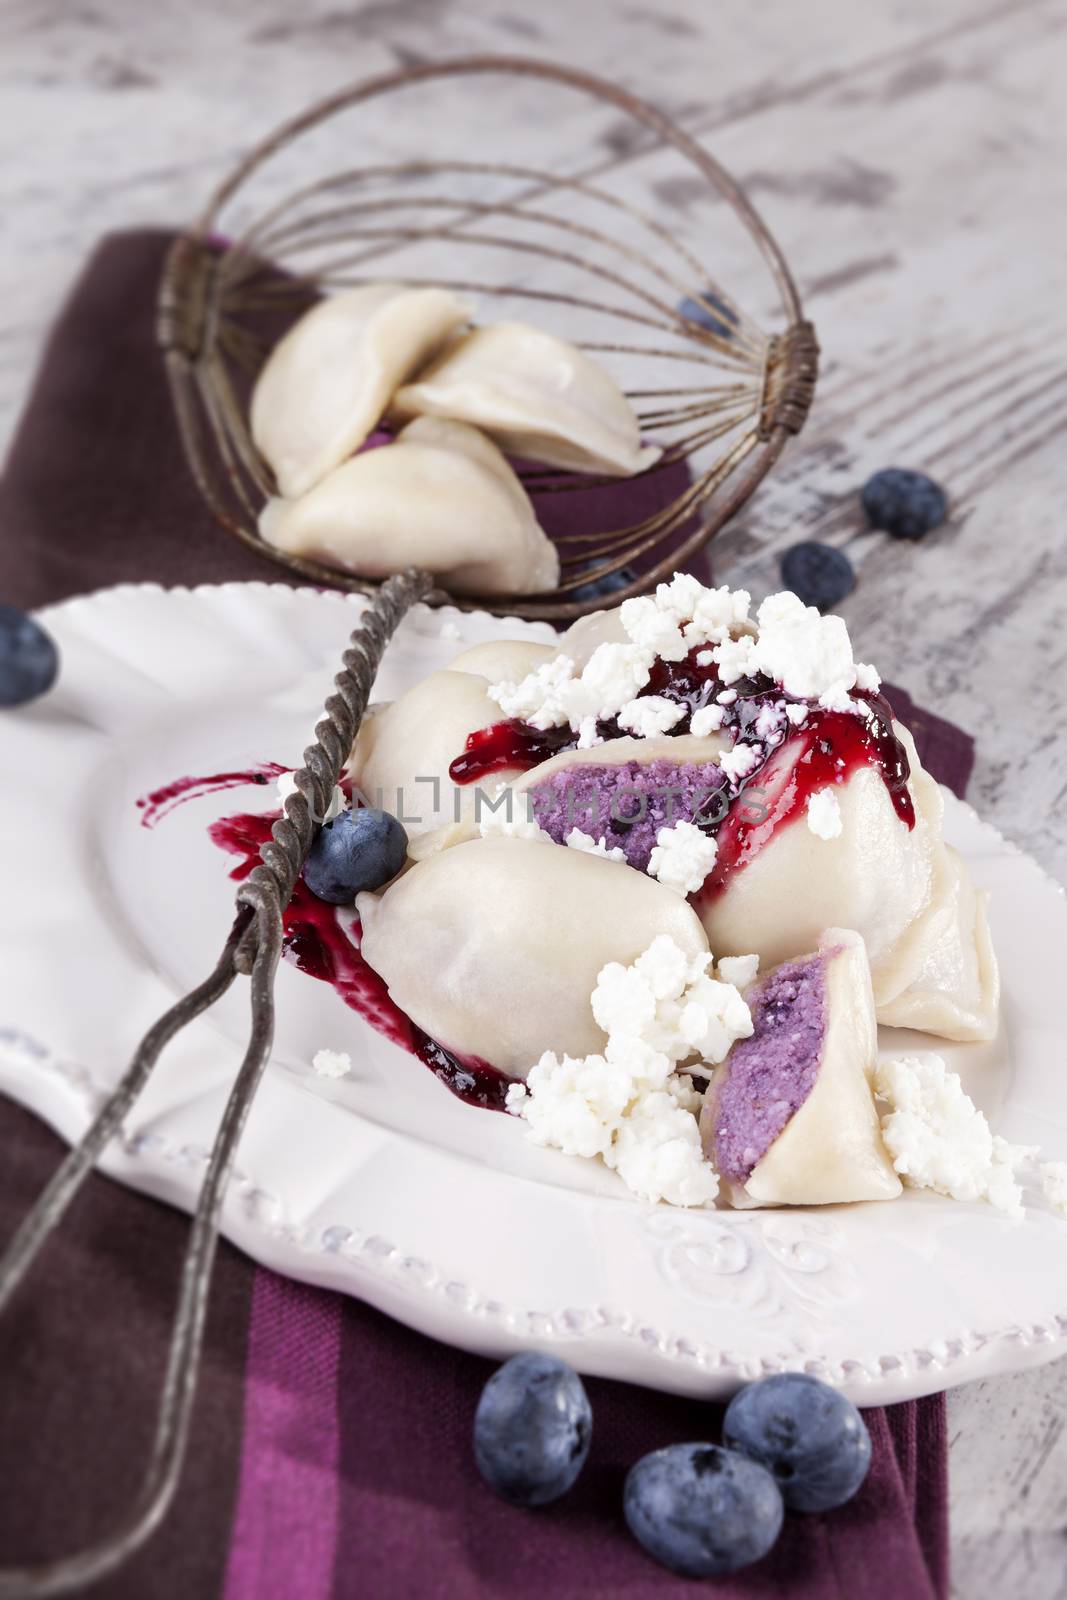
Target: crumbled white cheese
938, 1139
797, 715
808, 654
824, 814
331, 1063
682, 857
734, 658
708, 719
577, 840
515, 822
738, 970
867, 678
649, 715
338, 800
727, 697
450, 631
740, 761
1053, 1175
587, 734
628, 1105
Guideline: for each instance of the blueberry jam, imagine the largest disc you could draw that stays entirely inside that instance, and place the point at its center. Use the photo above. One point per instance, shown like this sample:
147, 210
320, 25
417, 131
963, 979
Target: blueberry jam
793, 763
161, 802
316, 941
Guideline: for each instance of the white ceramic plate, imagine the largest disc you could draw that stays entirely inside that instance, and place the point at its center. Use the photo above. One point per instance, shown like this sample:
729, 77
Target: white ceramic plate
382, 1184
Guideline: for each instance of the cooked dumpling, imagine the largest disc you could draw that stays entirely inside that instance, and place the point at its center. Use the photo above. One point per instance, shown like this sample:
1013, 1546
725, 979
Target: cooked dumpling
401, 756
539, 398
494, 947
441, 496
503, 660
326, 384
790, 1118
930, 958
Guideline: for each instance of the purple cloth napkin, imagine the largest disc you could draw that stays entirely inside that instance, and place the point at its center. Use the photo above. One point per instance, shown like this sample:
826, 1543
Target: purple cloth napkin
330, 1451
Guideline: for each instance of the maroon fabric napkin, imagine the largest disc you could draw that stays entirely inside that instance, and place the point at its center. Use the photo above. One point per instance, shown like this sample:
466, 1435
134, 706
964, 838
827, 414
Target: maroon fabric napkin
330, 1452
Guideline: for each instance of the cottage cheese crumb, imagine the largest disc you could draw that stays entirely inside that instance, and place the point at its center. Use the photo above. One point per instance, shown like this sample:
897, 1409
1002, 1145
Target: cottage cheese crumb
867, 678
740, 761
824, 814
577, 840
629, 1105
286, 785
650, 715
514, 821
938, 1139
808, 654
708, 719
1053, 1175
738, 970
682, 857
331, 1063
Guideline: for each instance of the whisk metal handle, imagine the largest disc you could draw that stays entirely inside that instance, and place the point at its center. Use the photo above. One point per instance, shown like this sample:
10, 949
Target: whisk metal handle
253, 947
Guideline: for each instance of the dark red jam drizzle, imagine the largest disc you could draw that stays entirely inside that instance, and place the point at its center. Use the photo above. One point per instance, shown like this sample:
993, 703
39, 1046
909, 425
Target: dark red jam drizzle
159, 803
317, 943
826, 749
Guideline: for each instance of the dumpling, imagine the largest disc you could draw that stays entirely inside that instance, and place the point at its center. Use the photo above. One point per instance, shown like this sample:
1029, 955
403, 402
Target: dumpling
403, 753
494, 947
924, 929
536, 395
441, 496
503, 660
326, 384
790, 1118
590, 631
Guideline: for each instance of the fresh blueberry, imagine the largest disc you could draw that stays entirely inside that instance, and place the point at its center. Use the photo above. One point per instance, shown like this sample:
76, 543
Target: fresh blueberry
710, 311
532, 1429
29, 661
905, 504
702, 1511
602, 587
361, 849
818, 574
812, 1438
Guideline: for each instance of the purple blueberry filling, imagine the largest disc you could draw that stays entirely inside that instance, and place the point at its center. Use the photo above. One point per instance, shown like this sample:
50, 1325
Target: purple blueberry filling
627, 804
771, 1074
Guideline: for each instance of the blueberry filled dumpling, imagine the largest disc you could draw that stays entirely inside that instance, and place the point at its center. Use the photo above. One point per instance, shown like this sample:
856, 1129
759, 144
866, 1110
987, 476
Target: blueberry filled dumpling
789, 1117
493, 947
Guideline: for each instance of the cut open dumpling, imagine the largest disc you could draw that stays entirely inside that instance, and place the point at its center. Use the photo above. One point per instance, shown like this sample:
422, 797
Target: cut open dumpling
790, 1118
495, 946
328, 381
440, 496
931, 962
538, 396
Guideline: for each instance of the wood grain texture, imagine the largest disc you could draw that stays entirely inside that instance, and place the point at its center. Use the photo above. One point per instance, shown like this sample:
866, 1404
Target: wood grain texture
912, 160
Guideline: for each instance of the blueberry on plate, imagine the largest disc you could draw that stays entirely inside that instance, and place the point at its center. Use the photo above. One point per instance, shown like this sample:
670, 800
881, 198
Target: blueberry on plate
813, 1440
905, 504
360, 849
818, 574
602, 587
29, 661
532, 1429
710, 311
702, 1511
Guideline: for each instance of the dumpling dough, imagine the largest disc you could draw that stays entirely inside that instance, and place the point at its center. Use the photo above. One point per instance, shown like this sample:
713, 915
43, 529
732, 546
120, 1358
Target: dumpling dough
503, 660
404, 752
326, 384
830, 1148
441, 496
494, 947
924, 928
536, 395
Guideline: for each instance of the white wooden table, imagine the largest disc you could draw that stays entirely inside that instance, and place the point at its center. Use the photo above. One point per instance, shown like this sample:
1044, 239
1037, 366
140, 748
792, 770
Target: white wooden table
912, 160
